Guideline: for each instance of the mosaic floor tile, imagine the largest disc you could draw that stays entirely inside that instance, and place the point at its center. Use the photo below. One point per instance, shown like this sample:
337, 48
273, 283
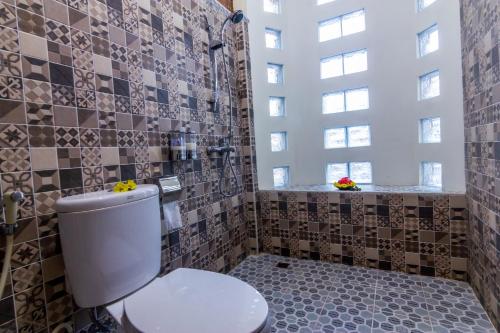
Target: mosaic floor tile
314, 296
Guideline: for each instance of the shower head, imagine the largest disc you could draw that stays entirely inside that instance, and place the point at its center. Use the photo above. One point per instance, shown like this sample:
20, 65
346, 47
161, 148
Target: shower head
236, 16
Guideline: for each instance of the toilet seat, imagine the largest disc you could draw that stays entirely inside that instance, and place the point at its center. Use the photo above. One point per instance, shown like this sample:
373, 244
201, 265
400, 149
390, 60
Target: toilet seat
192, 301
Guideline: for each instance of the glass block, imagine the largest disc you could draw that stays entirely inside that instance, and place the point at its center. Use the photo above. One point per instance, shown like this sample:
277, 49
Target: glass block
280, 176
428, 41
429, 85
425, 3
358, 136
355, 62
333, 102
431, 174
335, 138
273, 39
322, 2
361, 172
357, 99
278, 141
430, 130
353, 23
274, 73
272, 6
336, 171
276, 106
331, 67
329, 29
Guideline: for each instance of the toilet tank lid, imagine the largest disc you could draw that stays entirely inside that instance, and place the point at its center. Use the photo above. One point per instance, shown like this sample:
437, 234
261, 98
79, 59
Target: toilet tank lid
103, 199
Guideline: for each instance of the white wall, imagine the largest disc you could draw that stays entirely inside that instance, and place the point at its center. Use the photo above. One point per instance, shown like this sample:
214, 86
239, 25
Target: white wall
392, 78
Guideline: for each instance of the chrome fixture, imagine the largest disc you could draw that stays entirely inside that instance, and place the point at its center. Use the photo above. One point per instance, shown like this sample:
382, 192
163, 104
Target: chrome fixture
224, 148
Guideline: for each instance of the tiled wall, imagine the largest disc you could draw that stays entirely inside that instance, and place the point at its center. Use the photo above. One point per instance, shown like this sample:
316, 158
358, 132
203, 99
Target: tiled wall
88, 91
481, 68
417, 234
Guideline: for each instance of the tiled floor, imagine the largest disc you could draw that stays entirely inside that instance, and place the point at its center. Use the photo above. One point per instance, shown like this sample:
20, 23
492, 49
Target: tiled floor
313, 296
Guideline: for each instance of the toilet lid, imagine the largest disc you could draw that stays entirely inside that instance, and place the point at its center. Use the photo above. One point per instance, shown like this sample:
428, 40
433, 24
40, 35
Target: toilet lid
192, 301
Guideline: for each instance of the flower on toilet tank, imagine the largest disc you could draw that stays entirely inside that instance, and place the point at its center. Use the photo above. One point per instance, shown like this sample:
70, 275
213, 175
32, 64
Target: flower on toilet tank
129, 185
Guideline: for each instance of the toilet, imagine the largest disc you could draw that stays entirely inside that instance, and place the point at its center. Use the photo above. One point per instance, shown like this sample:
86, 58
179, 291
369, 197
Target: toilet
111, 246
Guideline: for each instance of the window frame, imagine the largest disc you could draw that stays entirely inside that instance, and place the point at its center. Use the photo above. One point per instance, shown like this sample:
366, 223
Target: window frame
285, 138
346, 137
278, 12
422, 174
281, 98
281, 78
349, 170
420, 96
344, 95
419, 44
279, 34
287, 178
342, 55
340, 18
421, 131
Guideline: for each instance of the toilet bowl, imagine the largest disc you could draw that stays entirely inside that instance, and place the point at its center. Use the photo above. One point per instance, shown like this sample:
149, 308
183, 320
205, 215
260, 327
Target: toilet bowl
191, 301
111, 246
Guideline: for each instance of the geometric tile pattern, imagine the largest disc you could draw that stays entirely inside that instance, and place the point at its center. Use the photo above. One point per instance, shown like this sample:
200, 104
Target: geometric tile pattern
314, 296
410, 232
70, 76
481, 81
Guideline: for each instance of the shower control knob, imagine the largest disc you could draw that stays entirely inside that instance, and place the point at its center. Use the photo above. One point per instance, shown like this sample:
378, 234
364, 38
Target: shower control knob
17, 196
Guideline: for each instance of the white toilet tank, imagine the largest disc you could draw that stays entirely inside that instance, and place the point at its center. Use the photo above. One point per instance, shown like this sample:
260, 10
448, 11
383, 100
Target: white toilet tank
111, 243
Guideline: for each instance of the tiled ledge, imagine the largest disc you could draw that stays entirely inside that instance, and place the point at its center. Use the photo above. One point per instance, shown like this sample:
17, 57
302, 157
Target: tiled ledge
365, 189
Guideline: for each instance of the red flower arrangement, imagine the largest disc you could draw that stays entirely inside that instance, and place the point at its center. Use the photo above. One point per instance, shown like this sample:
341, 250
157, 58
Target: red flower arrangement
346, 184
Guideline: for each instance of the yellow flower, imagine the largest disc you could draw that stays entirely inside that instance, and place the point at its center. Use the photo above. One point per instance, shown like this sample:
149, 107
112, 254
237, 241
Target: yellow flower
130, 185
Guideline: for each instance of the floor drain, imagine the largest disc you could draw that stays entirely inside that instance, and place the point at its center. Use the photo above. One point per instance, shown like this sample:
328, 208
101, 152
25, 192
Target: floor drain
282, 265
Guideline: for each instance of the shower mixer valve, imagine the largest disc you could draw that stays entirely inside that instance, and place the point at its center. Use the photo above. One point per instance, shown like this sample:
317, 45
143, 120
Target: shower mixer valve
221, 150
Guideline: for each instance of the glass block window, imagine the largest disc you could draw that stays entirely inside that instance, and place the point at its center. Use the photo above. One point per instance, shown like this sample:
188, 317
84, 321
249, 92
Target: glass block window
431, 174
348, 100
333, 102
361, 172
322, 2
330, 29
429, 85
347, 63
428, 41
335, 138
336, 171
340, 26
422, 4
358, 136
274, 73
430, 130
281, 176
273, 38
353, 23
278, 141
357, 99
332, 67
355, 62
276, 106
272, 6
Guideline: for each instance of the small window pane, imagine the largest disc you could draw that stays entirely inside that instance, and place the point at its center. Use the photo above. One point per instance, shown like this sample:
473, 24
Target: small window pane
355, 62
425, 3
272, 6
275, 73
331, 67
273, 39
353, 23
357, 99
358, 136
276, 106
336, 171
333, 102
329, 29
361, 172
322, 2
430, 130
278, 141
281, 176
431, 174
429, 85
335, 138
428, 41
